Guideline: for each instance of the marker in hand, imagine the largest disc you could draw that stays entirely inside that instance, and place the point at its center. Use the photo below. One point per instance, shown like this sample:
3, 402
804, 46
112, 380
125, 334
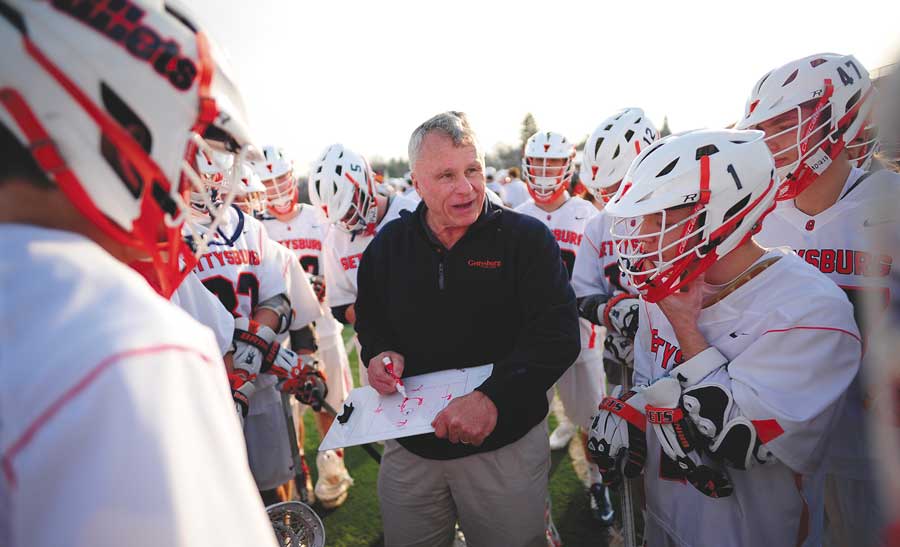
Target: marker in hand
389, 367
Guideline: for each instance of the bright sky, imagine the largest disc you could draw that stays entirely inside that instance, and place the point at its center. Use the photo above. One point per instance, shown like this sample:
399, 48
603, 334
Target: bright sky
366, 73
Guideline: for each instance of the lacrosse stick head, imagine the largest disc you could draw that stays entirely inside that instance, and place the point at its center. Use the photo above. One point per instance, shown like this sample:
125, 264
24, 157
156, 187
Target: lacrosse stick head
296, 525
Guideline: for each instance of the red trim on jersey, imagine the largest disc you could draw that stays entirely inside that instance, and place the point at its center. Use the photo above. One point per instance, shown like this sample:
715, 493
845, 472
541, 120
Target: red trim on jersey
767, 430
815, 328
69, 395
592, 341
803, 528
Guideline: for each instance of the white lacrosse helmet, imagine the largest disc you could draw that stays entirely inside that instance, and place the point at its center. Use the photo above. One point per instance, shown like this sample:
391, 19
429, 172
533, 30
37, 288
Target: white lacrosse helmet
250, 193
727, 179
818, 105
343, 185
612, 147
277, 173
213, 168
547, 182
114, 113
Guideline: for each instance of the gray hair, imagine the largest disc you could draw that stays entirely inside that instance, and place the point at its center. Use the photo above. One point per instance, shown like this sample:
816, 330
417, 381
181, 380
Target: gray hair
451, 123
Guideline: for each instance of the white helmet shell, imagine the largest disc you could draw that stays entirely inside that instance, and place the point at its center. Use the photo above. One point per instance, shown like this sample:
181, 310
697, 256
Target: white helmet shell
728, 179
827, 98
342, 183
111, 112
276, 171
612, 147
546, 182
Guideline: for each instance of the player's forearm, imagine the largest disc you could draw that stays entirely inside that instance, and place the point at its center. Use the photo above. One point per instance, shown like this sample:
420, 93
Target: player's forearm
691, 340
268, 318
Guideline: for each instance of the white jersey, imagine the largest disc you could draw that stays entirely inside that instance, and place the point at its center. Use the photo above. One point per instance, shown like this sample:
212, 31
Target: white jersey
304, 235
840, 242
237, 267
343, 251
305, 306
412, 195
242, 268
193, 297
567, 223
596, 268
498, 190
515, 192
102, 431
793, 348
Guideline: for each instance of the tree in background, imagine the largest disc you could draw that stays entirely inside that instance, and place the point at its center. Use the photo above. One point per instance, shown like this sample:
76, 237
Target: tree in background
503, 156
394, 167
665, 131
529, 128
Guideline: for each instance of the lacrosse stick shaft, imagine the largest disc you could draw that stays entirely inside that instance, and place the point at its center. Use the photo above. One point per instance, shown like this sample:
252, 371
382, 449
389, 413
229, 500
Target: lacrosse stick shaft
629, 529
299, 472
376, 455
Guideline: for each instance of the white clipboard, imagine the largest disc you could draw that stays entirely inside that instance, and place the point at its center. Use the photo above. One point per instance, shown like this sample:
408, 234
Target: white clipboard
369, 417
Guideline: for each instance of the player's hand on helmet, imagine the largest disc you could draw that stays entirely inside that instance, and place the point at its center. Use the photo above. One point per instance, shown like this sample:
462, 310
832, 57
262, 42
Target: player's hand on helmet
682, 309
617, 441
679, 440
620, 315
252, 342
379, 378
318, 285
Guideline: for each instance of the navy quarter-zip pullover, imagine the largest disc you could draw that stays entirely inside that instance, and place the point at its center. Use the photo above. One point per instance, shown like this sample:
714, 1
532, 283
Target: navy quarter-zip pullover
500, 295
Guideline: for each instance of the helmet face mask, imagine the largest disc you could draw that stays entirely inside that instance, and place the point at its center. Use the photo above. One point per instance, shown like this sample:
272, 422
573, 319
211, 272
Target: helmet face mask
547, 178
249, 193
281, 193
343, 185
687, 201
548, 165
276, 171
831, 97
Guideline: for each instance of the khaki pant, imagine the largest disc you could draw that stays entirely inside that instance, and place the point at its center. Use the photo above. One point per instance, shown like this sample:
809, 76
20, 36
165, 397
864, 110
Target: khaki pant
498, 497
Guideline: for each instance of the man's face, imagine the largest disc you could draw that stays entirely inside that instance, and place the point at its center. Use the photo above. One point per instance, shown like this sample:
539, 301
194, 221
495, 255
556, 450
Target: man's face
550, 167
781, 137
784, 131
450, 179
674, 220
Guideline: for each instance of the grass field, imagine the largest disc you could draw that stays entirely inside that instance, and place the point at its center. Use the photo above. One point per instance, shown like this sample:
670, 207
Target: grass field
358, 522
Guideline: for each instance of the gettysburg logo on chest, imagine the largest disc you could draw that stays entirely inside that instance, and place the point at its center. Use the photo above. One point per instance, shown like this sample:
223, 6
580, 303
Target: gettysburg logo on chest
567, 236
666, 352
302, 244
122, 22
848, 262
351, 262
232, 257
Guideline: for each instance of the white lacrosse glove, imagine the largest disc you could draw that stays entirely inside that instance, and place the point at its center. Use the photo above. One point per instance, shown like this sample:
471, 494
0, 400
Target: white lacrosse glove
618, 351
253, 346
731, 437
678, 439
620, 315
617, 441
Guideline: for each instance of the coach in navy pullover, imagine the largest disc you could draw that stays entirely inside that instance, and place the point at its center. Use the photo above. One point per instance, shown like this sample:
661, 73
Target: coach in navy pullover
500, 295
